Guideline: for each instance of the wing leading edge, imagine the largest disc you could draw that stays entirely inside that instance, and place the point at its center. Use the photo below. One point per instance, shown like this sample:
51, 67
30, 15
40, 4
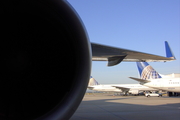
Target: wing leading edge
122, 88
115, 55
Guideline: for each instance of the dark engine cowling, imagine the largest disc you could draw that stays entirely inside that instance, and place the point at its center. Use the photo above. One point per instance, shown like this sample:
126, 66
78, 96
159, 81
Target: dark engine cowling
45, 60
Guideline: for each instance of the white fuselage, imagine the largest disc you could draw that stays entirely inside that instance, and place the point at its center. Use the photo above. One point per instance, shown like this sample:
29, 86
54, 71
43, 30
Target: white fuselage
105, 88
168, 84
125, 87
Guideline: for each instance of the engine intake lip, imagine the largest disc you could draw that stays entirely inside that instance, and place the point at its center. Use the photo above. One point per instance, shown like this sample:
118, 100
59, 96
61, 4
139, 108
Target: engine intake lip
75, 48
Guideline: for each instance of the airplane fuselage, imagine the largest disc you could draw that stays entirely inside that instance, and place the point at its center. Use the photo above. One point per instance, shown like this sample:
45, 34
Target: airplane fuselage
114, 88
168, 84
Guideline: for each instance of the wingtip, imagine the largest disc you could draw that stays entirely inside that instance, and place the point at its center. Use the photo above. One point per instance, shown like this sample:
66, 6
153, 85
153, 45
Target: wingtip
169, 53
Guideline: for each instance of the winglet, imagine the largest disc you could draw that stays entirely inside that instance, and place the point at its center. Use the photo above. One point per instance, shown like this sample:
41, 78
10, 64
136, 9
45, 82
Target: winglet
169, 52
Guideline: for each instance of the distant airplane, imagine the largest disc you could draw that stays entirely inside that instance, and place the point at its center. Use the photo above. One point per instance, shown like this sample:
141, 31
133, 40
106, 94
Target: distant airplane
124, 88
150, 78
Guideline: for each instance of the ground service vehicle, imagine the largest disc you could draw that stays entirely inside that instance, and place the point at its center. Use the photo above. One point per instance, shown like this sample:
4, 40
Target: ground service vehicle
153, 94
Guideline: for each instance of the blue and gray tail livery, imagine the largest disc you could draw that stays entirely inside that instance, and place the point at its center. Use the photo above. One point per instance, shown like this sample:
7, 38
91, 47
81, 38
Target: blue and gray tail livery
92, 82
146, 71
169, 52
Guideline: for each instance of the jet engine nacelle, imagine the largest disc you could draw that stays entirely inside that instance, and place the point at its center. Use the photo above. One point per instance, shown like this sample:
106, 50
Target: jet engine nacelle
134, 92
45, 60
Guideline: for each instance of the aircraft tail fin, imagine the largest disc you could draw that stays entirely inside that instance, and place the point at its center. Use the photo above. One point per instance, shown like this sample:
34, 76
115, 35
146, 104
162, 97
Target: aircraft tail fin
169, 52
146, 71
92, 82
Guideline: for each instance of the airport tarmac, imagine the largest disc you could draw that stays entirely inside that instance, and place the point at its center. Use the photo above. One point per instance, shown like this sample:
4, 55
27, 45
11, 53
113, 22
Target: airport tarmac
99, 106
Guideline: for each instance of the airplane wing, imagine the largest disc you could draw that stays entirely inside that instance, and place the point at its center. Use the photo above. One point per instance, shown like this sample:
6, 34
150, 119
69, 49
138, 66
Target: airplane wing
116, 55
90, 87
122, 88
140, 80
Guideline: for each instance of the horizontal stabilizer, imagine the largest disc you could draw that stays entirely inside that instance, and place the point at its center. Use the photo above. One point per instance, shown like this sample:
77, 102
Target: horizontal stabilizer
140, 80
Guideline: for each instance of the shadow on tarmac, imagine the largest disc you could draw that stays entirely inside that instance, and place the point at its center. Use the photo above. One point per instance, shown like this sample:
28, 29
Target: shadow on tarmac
105, 107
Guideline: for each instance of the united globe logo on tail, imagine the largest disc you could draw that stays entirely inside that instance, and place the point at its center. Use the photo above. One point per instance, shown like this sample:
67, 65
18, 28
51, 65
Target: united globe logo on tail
149, 73
92, 82
146, 71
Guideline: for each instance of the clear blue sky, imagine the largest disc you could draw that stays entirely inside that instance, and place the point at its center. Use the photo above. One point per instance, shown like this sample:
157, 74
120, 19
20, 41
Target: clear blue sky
141, 25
